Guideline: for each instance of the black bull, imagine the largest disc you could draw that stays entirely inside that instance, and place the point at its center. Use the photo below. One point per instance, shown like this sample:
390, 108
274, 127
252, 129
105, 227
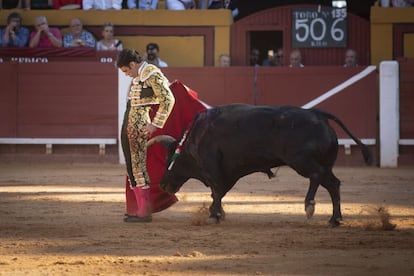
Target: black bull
228, 142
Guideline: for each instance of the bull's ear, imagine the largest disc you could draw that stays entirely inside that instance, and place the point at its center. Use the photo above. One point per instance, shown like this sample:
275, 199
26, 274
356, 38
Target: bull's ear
165, 140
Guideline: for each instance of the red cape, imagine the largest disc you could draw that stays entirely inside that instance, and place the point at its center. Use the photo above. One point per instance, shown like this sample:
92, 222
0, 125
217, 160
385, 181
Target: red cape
185, 108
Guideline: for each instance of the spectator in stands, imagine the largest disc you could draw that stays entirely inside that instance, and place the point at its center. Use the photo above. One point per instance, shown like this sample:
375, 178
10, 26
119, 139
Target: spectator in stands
402, 3
180, 4
295, 59
351, 58
37, 4
14, 35
142, 4
101, 4
10, 4
78, 37
108, 42
224, 60
255, 57
43, 36
274, 59
152, 55
220, 4
67, 4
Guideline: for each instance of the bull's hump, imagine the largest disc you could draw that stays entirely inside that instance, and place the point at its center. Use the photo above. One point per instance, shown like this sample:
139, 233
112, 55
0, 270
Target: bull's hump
245, 118
243, 112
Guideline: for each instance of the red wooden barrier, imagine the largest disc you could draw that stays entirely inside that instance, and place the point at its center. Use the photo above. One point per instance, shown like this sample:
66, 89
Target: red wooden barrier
357, 105
63, 99
59, 100
406, 109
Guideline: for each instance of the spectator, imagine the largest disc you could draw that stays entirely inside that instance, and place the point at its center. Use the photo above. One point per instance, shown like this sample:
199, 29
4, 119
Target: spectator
37, 4
43, 36
295, 59
10, 4
152, 55
224, 60
108, 43
220, 4
67, 4
78, 37
142, 4
180, 4
14, 35
255, 57
274, 59
402, 3
101, 4
351, 58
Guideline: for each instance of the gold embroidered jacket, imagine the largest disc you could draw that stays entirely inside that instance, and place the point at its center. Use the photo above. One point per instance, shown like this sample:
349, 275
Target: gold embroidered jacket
151, 87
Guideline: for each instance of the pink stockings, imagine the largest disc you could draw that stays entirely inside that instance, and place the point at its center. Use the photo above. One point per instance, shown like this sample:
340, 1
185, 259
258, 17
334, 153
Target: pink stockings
138, 201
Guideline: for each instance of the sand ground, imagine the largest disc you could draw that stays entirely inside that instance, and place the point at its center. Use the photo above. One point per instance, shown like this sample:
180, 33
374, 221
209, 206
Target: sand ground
66, 219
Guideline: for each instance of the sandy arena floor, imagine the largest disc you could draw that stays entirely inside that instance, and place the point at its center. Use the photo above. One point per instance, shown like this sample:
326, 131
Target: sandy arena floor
66, 219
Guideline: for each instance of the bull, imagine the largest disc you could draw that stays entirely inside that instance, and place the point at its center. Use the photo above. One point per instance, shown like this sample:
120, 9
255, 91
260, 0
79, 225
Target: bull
228, 142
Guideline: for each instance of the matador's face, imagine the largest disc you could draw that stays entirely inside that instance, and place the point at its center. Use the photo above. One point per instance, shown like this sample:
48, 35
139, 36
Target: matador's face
131, 70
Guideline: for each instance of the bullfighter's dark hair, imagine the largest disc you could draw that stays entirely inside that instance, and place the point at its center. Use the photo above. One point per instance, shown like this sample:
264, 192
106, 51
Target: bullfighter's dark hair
126, 56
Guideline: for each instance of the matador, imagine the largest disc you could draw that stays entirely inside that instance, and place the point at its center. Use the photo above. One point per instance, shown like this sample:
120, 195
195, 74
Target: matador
149, 87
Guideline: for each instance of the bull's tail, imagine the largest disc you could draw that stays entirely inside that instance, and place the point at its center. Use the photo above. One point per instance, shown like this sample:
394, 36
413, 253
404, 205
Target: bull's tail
366, 152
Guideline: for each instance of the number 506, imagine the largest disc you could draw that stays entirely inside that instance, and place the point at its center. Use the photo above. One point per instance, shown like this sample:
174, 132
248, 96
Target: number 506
316, 29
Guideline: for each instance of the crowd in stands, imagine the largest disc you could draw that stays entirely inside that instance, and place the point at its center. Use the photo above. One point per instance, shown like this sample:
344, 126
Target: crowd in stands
295, 58
44, 36
149, 4
120, 4
396, 3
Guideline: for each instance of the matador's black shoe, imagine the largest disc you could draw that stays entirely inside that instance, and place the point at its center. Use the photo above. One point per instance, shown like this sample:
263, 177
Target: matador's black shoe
138, 219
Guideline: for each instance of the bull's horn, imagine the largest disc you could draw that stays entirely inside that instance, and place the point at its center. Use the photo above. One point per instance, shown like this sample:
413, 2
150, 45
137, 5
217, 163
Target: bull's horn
165, 140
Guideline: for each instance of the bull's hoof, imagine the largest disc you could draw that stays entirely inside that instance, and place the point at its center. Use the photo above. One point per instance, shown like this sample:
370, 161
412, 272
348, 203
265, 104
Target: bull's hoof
213, 220
334, 222
310, 209
222, 215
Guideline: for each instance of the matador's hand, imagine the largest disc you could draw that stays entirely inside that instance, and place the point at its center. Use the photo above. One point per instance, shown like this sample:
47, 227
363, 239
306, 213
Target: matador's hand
149, 129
